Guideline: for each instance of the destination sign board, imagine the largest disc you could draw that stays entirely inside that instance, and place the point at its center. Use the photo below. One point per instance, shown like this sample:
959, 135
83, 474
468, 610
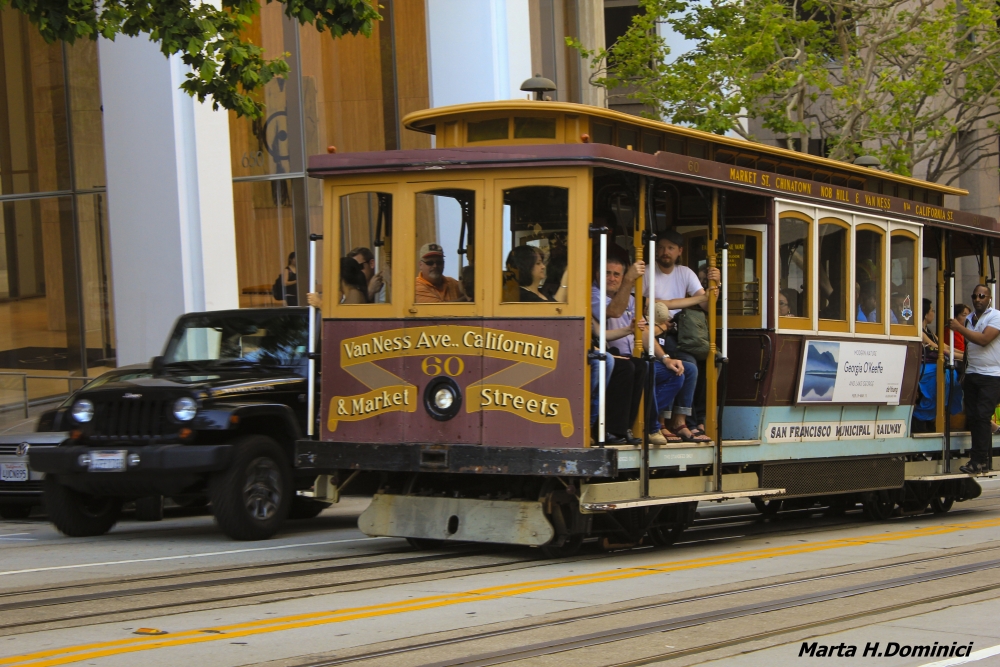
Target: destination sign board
778, 184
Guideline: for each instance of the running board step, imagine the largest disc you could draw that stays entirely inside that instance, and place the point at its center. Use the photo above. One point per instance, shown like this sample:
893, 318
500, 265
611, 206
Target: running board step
695, 497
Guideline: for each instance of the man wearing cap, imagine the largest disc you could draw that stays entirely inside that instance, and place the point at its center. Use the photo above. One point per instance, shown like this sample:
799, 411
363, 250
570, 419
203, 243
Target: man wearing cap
432, 285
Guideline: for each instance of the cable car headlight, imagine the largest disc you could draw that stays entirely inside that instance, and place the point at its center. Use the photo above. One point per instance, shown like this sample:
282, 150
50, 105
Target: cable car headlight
442, 398
83, 411
185, 408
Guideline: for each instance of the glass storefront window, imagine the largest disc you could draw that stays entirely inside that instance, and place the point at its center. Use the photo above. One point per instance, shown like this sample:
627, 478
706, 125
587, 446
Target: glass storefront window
55, 274
86, 115
534, 247
34, 138
264, 223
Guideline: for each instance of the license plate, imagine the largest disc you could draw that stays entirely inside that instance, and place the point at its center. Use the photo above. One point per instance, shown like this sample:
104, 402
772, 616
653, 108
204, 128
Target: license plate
113, 461
13, 472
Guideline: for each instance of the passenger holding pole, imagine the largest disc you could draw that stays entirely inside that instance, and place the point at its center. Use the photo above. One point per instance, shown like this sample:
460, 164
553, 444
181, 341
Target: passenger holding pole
678, 287
982, 376
622, 407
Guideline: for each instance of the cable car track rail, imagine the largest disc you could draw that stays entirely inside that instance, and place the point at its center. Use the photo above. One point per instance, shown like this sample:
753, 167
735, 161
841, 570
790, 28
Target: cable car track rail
627, 632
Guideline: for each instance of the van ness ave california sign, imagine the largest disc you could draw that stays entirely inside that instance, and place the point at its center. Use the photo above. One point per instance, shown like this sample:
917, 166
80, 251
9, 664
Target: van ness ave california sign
851, 372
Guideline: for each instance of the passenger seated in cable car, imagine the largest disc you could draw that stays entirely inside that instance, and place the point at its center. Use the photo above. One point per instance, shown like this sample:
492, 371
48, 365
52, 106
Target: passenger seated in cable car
629, 375
353, 286
555, 272
432, 286
528, 265
468, 279
788, 303
868, 304
925, 411
674, 386
375, 280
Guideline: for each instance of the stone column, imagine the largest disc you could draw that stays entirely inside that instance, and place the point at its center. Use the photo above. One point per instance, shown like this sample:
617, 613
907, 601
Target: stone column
477, 51
170, 197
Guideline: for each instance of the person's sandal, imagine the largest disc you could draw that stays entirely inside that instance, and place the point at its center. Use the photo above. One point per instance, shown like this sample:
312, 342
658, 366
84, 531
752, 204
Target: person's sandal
670, 436
691, 437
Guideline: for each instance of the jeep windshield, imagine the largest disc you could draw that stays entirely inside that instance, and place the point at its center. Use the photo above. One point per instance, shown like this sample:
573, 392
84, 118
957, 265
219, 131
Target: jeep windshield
237, 339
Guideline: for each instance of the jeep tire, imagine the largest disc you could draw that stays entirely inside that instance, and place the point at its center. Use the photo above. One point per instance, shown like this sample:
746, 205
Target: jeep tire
251, 499
78, 514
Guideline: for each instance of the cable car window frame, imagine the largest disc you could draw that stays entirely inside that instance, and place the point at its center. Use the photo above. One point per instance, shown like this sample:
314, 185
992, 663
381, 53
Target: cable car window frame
796, 323
864, 224
759, 232
332, 241
410, 248
914, 233
841, 326
577, 228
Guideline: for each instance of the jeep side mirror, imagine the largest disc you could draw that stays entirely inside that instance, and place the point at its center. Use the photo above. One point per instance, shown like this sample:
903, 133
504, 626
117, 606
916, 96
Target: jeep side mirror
157, 365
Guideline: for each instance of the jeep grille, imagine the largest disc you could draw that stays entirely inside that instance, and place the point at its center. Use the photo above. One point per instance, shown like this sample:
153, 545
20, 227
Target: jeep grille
131, 419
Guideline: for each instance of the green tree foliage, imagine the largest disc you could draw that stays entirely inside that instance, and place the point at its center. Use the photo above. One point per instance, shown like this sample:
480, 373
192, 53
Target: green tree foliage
914, 82
209, 38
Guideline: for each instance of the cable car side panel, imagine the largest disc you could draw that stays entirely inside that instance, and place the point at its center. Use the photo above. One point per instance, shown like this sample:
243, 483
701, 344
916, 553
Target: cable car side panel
500, 382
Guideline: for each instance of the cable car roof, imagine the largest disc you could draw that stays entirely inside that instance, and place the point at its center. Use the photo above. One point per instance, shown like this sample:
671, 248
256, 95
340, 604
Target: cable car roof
436, 120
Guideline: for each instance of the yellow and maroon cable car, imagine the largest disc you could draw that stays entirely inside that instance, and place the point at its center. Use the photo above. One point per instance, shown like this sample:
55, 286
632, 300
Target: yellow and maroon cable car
464, 405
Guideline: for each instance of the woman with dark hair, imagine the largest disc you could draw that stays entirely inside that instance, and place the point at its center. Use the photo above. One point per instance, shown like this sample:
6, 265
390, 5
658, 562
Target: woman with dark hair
353, 284
528, 265
555, 273
289, 280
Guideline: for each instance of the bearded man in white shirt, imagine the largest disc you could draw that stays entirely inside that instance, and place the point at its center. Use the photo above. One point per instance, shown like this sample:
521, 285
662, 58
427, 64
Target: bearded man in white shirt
982, 376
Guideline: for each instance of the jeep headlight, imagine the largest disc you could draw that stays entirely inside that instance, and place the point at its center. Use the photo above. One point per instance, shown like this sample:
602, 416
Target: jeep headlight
82, 411
185, 409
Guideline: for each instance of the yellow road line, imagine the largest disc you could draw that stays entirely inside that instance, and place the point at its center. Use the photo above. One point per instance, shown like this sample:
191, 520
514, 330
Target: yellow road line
71, 654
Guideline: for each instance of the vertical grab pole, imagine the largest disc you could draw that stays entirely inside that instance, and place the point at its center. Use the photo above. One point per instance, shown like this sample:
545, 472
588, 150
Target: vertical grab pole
602, 390
311, 391
650, 281
950, 368
723, 380
711, 361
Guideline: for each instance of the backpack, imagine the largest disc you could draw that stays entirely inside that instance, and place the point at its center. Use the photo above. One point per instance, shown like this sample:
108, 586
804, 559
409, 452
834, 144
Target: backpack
278, 290
692, 332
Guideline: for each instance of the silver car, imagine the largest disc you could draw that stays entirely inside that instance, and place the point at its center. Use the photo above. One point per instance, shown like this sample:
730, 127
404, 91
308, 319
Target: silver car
21, 487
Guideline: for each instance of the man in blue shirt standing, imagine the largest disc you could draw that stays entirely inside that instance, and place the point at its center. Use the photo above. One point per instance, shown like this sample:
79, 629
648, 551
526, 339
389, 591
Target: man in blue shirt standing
982, 376
622, 407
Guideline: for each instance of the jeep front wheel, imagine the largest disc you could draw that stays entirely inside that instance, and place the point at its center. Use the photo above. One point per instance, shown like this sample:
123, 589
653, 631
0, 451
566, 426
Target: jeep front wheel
78, 514
251, 499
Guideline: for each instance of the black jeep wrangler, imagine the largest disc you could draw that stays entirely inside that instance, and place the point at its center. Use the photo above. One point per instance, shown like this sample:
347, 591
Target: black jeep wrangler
215, 418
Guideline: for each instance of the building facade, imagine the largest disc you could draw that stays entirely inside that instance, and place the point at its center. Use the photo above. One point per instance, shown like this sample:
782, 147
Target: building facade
126, 203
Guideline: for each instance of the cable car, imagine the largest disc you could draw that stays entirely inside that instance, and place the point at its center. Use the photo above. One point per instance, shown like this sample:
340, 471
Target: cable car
456, 381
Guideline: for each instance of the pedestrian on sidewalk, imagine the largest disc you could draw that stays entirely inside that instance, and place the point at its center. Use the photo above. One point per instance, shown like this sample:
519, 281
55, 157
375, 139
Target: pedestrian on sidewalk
982, 376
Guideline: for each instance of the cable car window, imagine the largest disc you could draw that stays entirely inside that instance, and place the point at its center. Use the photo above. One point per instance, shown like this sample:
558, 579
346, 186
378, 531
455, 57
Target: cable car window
793, 257
446, 234
868, 261
365, 231
743, 279
534, 128
833, 270
497, 129
902, 276
535, 232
